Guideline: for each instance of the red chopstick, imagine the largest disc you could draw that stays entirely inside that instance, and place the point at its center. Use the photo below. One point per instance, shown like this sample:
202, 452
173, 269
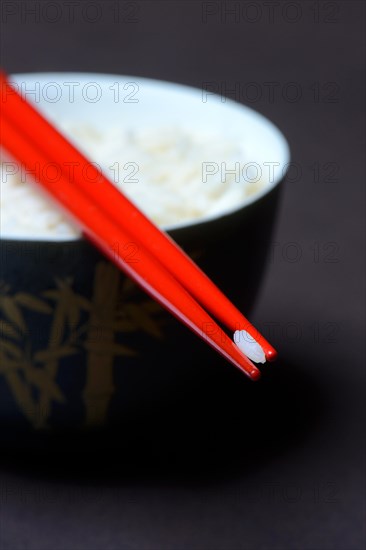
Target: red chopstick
30, 139
160, 284
56, 147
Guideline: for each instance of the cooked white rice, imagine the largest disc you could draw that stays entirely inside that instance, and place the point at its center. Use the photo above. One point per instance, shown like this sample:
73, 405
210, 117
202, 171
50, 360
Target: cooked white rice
161, 170
249, 346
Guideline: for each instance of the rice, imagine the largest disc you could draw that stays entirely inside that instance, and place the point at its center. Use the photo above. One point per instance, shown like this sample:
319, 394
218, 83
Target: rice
172, 174
249, 346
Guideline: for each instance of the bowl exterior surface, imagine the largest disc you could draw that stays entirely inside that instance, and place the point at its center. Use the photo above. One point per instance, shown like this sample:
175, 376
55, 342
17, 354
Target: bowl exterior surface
81, 345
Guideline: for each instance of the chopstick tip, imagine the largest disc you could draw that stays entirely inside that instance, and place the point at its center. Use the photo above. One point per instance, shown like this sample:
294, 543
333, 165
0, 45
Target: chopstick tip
271, 354
255, 374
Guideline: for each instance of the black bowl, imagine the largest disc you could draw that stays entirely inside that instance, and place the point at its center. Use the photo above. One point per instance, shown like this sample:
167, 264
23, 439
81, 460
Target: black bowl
82, 346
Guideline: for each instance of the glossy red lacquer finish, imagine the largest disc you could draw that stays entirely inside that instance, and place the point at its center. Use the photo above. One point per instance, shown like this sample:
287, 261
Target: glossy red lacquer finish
107, 217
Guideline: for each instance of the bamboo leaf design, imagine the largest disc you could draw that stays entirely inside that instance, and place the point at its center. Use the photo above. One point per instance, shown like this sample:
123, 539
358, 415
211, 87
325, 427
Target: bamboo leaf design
12, 312
41, 379
51, 294
7, 363
111, 311
80, 300
6, 329
52, 354
22, 374
143, 320
55, 342
72, 309
73, 313
10, 348
32, 303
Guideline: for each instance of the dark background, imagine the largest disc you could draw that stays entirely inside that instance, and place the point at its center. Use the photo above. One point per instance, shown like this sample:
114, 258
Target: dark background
275, 465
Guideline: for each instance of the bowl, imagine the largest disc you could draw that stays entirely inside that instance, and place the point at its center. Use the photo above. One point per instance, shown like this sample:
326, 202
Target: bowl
81, 345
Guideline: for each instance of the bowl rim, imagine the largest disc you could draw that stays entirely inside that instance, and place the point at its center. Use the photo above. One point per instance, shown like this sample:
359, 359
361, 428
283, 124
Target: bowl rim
246, 202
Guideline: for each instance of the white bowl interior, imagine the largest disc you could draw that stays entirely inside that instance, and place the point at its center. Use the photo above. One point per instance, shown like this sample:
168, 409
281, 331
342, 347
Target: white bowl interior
106, 99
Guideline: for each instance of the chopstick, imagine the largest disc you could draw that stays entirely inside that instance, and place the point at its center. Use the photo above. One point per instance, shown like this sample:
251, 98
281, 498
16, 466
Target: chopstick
55, 146
103, 234
28, 136
160, 284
